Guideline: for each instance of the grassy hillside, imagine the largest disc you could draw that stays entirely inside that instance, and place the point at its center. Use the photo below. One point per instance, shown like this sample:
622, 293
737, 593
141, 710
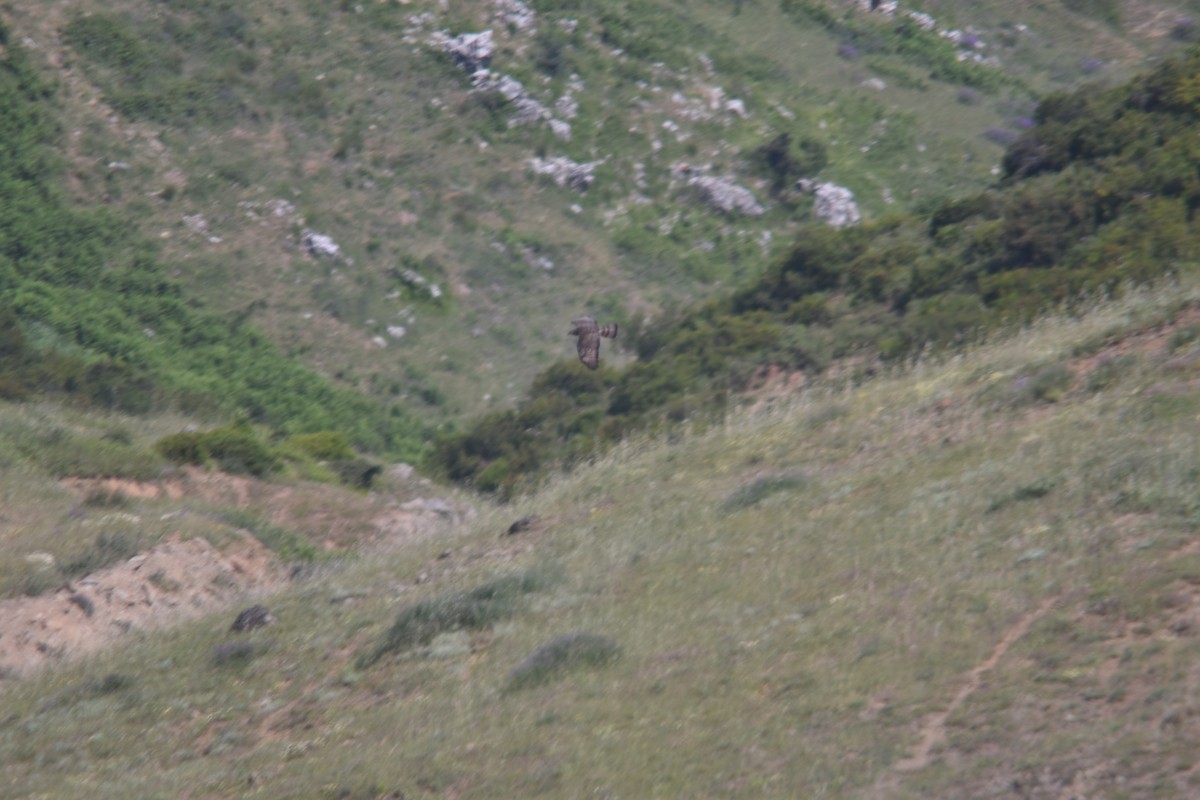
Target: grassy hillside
972, 577
88, 312
223, 131
962, 569
1100, 192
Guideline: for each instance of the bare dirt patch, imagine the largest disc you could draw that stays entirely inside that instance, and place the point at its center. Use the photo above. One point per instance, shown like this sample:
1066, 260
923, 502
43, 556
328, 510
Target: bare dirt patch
184, 578
174, 581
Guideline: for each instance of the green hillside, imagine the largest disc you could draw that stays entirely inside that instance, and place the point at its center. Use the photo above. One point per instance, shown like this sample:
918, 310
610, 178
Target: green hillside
88, 311
1100, 193
222, 132
904, 508
942, 583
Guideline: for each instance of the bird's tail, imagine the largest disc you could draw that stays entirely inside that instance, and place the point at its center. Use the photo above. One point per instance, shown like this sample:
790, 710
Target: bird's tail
609, 331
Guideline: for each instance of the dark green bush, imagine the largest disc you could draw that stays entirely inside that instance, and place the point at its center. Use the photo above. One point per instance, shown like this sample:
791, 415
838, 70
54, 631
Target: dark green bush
785, 161
183, 448
1030, 491
236, 449
237, 653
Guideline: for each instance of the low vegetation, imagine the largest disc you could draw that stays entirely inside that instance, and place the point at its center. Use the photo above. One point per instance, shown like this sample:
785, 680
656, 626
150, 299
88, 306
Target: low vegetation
482, 607
961, 563
1084, 208
220, 132
794, 600
89, 314
561, 655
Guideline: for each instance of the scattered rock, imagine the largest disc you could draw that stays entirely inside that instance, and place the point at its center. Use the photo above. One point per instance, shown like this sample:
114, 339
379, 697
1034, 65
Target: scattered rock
561, 130
255, 616
429, 505
565, 172
471, 51
523, 524
516, 15
177, 579
196, 223
832, 203
923, 20
450, 645
401, 471
85, 605
721, 194
41, 560
320, 245
528, 109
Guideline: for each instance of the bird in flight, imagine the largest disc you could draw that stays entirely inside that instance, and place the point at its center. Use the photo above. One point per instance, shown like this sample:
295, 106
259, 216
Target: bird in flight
589, 334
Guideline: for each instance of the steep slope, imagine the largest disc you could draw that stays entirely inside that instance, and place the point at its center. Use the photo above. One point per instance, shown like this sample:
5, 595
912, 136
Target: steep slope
229, 130
945, 582
1099, 192
88, 313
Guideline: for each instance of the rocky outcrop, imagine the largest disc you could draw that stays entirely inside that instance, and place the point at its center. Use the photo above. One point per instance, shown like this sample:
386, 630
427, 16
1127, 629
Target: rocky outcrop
320, 245
176, 580
721, 194
565, 172
471, 51
528, 109
832, 203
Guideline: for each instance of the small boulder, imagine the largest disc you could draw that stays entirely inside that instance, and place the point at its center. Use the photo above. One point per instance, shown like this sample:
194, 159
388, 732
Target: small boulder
255, 616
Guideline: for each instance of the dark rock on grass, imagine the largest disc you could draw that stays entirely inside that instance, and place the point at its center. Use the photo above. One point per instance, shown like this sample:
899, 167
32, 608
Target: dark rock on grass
84, 602
523, 524
255, 616
562, 654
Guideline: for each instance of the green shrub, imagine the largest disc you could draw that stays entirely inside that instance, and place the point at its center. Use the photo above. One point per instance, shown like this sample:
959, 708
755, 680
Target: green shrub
564, 653
784, 161
760, 488
183, 448
234, 449
1031, 491
417, 625
322, 445
70, 327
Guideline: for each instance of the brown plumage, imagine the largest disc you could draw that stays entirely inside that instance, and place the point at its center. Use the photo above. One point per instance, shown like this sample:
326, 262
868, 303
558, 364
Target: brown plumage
589, 334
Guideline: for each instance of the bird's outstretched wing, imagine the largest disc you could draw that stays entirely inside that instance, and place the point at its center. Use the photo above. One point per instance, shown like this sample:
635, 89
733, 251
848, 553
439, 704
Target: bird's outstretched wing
589, 334
588, 344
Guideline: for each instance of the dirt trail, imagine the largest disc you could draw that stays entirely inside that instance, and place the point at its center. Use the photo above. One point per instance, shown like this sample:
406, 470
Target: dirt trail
932, 731
171, 582
933, 728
